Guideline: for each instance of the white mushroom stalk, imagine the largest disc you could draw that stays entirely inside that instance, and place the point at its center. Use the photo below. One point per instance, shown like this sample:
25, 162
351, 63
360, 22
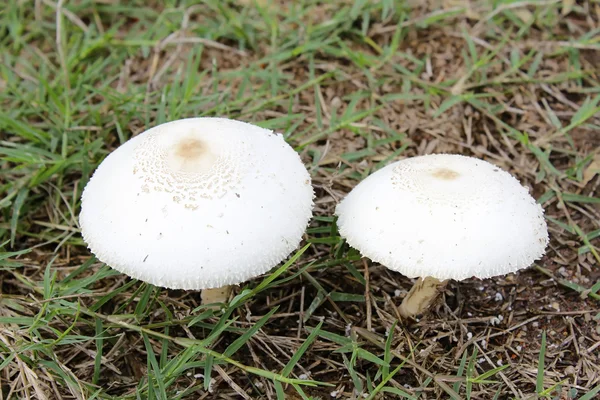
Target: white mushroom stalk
216, 295
441, 217
199, 203
421, 296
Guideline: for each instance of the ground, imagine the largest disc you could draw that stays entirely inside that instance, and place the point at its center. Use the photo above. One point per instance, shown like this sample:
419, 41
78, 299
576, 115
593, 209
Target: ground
353, 86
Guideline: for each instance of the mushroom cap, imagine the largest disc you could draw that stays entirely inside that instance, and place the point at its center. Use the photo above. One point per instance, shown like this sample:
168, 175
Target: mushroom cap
197, 203
446, 216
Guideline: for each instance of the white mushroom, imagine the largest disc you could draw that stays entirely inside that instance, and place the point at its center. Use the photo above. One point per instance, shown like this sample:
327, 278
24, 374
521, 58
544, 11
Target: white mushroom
199, 203
441, 217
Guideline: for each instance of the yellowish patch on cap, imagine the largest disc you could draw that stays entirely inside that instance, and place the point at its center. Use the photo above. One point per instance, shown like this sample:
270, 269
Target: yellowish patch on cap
445, 174
189, 149
191, 154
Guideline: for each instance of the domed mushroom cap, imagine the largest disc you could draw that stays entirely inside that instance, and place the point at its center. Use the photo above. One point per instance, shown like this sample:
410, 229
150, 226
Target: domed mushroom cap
445, 216
197, 203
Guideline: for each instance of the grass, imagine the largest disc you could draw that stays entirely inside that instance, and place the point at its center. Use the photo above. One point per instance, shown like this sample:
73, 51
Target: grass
352, 86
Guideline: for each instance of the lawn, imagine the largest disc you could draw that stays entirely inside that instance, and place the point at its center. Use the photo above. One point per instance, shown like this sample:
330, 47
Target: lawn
353, 86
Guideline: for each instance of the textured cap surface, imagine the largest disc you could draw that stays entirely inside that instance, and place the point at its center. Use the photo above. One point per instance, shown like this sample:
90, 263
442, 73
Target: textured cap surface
197, 203
445, 216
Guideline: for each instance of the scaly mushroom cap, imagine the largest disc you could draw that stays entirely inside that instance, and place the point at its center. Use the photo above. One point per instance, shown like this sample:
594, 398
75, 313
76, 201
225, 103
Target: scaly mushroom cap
197, 203
446, 216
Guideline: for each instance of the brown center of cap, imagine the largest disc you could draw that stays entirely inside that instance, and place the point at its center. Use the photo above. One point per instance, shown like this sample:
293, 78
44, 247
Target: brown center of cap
189, 149
192, 155
445, 174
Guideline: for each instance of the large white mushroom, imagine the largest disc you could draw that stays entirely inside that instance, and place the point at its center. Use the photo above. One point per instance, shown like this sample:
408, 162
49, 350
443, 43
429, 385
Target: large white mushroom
441, 217
199, 203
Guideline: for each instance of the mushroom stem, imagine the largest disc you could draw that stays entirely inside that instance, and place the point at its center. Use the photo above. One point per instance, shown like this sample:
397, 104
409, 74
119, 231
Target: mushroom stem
215, 295
421, 295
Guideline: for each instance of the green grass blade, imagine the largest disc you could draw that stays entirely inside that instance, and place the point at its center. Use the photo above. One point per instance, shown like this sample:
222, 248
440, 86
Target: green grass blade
539, 383
239, 342
590, 395
99, 350
300, 352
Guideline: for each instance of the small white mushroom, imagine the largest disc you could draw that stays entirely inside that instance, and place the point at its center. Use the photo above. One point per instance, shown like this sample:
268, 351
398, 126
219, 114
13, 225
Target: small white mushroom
441, 217
199, 203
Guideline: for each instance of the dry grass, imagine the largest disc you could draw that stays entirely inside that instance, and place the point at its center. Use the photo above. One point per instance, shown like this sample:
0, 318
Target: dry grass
353, 87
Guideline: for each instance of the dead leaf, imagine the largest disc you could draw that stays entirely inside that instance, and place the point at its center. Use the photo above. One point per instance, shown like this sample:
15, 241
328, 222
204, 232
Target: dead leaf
591, 170
567, 6
524, 15
261, 3
466, 4
472, 14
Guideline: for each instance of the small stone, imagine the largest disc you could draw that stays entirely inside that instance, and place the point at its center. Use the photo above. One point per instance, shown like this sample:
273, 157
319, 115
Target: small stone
336, 102
210, 385
348, 329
